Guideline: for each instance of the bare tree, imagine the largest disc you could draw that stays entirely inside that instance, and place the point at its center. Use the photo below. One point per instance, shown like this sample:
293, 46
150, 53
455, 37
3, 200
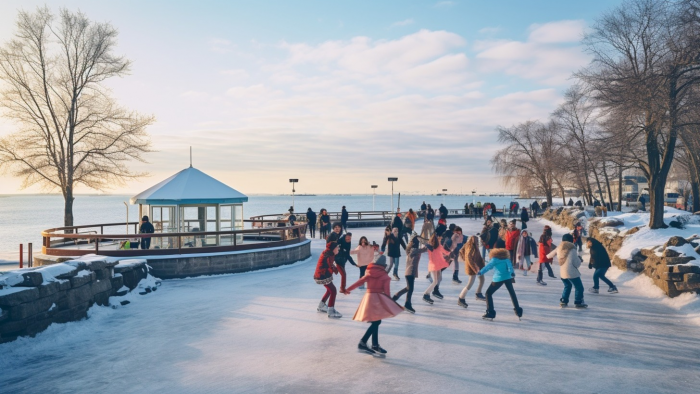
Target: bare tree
70, 131
531, 156
646, 59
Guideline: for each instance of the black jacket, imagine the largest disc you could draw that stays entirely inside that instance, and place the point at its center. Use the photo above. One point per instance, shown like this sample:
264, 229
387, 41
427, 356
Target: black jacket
524, 217
344, 216
599, 256
535, 206
398, 223
311, 217
343, 255
393, 244
146, 228
493, 235
423, 207
325, 220
443, 211
430, 214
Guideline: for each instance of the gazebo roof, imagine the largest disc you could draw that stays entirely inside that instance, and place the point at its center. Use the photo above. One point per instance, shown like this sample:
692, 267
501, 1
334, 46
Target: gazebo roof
189, 186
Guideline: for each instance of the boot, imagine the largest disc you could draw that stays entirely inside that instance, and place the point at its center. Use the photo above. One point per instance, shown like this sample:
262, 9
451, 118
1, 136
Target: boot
363, 348
379, 349
437, 294
518, 312
322, 307
455, 278
541, 283
409, 308
333, 314
461, 302
563, 303
612, 290
427, 299
593, 290
480, 297
489, 315
581, 305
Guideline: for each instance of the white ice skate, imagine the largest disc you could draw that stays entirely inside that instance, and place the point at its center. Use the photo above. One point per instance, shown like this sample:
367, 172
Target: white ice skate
322, 307
332, 313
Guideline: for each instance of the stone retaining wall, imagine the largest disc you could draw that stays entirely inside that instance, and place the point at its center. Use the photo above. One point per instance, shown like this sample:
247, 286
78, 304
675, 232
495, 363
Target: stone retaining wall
33, 299
667, 269
227, 263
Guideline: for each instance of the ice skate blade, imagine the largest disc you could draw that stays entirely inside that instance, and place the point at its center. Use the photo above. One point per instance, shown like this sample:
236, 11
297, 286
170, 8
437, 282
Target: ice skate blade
488, 318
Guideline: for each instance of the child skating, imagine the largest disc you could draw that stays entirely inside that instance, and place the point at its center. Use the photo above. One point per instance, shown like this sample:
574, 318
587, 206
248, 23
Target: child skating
325, 268
503, 275
473, 262
413, 253
375, 305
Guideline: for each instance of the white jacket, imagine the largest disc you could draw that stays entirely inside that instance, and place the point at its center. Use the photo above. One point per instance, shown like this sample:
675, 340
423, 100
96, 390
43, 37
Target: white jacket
568, 260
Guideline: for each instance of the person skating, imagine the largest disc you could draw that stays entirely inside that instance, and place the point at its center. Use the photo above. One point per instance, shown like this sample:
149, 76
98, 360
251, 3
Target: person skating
569, 261
343, 256
458, 241
344, 216
427, 230
436, 263
473, 262
524, 218
430, 214
393, 243
484, 235
334, 235
443, 212
409, 224
325, 268
578, 233
503, 275
413, 254
375, 305
544, 247
311, 222
512, 236
365, 254
526, 247
441, 227
600, 261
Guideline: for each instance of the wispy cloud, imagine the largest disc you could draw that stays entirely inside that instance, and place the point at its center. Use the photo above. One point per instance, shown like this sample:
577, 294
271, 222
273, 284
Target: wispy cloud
404, 22
220, 45
490, 30
444, 4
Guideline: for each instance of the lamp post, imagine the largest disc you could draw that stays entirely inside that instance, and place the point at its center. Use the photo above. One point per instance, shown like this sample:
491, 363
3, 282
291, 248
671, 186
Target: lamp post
374, 188
392, 180
293, 182
473, 196
127, 217
444, 191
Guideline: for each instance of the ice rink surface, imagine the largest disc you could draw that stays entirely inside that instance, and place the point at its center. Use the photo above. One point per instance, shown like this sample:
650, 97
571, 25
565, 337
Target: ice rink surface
259, 332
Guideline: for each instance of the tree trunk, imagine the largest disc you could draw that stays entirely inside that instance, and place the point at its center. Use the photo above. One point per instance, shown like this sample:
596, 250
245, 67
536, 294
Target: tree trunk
548, 194
619, 189
607, 183
657, 186
695, 186
68, 207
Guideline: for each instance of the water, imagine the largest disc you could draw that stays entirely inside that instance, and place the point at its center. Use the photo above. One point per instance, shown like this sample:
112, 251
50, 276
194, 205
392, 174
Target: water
23, 217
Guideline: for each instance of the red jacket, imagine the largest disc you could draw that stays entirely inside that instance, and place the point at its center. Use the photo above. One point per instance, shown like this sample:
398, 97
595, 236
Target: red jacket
544, 249
377, 280
325, 267
512, 238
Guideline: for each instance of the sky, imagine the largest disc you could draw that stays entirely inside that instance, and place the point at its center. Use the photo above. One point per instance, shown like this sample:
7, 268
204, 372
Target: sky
340, 95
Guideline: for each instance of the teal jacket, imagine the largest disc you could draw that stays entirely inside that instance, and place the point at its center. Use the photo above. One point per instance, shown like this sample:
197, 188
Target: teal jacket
501, 264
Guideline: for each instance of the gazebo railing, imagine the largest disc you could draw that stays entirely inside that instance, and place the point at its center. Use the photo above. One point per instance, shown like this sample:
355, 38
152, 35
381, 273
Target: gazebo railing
75, 241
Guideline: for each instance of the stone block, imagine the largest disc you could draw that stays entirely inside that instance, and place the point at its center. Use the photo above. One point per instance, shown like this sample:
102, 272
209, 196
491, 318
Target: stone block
69, 274
78, 295
31, 279
670, 253
32, 308
679, 260
117, 283
78, 281
4, 315
64, 284
104, 274
102, 299
101, 286
676, 241
19, 297
612, 223
672, 276
96, 265
37, 326
687, 269
692, 278
48, 289
13, 328
75, 313
686, 286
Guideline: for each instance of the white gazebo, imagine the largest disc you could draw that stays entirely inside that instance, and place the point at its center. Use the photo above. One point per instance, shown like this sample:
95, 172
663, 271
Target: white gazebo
192, 201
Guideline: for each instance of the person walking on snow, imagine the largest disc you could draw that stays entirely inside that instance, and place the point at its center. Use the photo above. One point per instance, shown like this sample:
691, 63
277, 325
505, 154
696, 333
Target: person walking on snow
375, 306
413, 254
365, 254
393, 243
535, 209
473, 262
544, 247
503, 275
526, 247
524, 218
325, 268
569, 261
600, 261
436, 262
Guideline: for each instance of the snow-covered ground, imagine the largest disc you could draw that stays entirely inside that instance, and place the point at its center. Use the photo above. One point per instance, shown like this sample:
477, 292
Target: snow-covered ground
260, 332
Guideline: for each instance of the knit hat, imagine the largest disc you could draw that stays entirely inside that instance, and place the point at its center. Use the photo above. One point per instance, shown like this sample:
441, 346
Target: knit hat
337, 224
452, 226
567, 238
145, 218
380, 261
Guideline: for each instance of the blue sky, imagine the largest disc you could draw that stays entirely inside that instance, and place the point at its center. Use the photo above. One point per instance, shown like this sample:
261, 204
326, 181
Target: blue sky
338, 94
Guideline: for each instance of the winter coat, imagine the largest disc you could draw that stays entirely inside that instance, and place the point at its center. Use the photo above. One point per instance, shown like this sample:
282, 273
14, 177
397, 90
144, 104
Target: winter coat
344, 253
524, 216
599, 256
412, 217
146, 228
311, 217
325, 220
365, 255
493, 235
501, 264
344, 216
325, 268
472, 259
412, 260
535, 206
376, 304
458, 242
334, 237
393, 244
430, 214
568, 260
436, 258
440, 229
397, 223
526, 247
545, 246
443, 211
484, 235
512, 236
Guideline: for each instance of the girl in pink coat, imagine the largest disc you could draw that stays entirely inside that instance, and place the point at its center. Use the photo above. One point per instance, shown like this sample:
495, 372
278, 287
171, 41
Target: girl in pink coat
436, 263
375, 305
365, 255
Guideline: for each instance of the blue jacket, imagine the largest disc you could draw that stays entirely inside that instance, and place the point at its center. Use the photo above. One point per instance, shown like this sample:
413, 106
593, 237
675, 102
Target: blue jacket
501, 264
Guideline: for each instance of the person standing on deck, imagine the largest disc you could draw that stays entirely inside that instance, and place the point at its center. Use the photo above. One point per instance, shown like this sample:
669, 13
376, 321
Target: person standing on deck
311, 222
344, 216
146, 228
443, 212
324, 220
430, 215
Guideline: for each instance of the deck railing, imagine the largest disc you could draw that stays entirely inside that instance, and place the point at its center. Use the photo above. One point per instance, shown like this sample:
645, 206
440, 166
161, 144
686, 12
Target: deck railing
81, 240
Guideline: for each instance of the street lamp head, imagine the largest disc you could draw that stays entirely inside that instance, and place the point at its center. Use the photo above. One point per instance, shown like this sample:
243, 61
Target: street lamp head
393, 179
293, 180
374, 186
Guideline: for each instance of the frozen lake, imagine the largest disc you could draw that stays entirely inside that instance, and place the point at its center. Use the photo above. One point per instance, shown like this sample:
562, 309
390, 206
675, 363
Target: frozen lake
259, 332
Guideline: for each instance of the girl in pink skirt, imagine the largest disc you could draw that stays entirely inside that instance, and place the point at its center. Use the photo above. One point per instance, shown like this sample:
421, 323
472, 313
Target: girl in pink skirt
375, 305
